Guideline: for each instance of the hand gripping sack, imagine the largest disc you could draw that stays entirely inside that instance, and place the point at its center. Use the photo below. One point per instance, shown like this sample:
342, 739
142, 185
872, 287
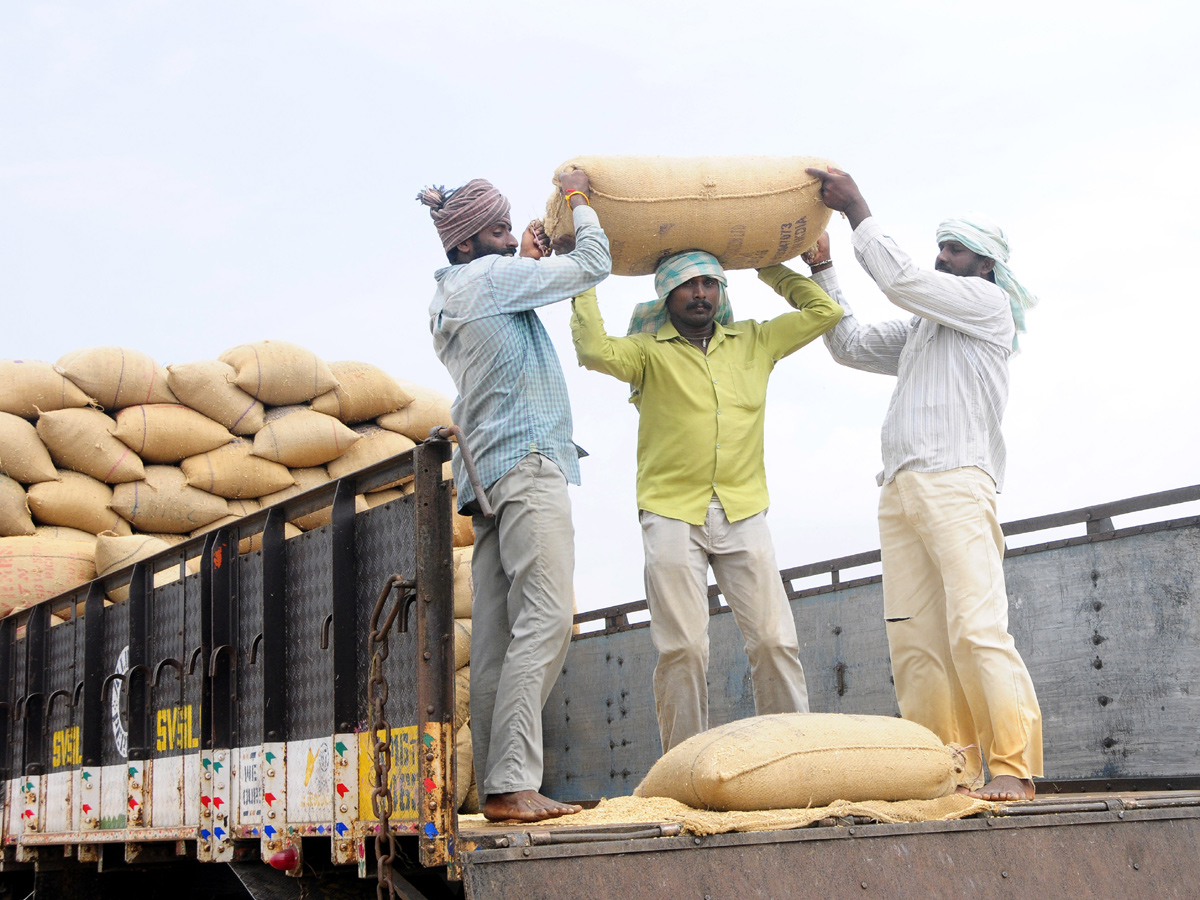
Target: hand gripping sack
747, 211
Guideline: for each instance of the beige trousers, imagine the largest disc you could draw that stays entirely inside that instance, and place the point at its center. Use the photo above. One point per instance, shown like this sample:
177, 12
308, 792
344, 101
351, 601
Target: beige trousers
522, 565
956, 668
743, 560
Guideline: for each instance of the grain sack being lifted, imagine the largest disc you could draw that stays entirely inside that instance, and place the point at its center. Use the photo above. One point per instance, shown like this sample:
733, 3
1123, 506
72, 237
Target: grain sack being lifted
210, 387
168, 432
82, 440
364, 392
799, 760
34, 569
117, 376
296, 436
748, 211
23, 456
29, 387
279, 373
76, 501
166, 502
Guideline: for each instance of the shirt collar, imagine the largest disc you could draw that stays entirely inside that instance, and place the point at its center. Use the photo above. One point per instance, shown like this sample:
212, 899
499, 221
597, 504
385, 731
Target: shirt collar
668, 332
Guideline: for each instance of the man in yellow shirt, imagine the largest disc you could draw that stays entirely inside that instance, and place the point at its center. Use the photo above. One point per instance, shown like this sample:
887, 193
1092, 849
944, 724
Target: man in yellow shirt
700, 384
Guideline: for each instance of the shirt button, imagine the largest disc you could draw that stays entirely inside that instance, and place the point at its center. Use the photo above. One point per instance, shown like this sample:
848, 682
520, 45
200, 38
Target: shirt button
718, 446
718, 412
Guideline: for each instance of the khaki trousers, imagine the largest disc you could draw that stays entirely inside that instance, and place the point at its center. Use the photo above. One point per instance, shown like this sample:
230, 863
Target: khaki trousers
956, 668
522, 565
743, 560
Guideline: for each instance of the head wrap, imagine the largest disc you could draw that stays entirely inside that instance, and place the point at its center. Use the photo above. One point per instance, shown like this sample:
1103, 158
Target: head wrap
465, 211
985, 237
672, 272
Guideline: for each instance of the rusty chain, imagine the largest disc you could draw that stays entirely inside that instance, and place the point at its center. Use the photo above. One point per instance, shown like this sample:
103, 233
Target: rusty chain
377, 694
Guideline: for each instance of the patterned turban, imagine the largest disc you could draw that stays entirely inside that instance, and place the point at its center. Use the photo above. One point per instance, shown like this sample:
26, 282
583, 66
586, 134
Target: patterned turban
465, 211
985, 237
672, 272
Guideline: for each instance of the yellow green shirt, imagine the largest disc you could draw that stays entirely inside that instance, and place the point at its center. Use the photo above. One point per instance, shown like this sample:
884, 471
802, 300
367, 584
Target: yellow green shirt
701, 426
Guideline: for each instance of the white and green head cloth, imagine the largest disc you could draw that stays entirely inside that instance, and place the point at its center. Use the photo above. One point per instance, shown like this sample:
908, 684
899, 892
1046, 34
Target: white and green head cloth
985, 237
672, 272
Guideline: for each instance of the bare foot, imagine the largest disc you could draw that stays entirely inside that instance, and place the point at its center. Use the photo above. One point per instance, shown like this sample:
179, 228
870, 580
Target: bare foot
525, 806
1006, 787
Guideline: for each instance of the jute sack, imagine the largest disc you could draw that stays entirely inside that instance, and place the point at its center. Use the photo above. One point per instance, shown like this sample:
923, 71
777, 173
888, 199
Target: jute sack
748, 211
14, 511
168, 432
279, 373
798, 760
164, 501
23, 456
76, 501
63, 533
462, 643
462, 696
29, 387
33, 569
325, 516
117, 551
374, 445
82, 440
464, 765
464, 531
378, 498
210, 387
117, 376
299, 437
305, 479
427, 409
463, 585
233, 472
364, 392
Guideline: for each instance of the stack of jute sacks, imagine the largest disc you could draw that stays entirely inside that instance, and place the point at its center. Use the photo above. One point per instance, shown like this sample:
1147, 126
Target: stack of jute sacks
747, 211
107, 458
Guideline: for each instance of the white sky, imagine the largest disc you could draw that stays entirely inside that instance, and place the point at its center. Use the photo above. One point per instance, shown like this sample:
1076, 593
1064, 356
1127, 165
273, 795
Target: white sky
184, 177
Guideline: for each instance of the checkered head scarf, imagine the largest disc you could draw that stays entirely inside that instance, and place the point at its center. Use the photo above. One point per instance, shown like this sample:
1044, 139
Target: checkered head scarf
465, 211
672, 272
985, 237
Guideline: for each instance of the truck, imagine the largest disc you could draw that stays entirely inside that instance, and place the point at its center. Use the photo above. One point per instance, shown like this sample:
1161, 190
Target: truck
279, 722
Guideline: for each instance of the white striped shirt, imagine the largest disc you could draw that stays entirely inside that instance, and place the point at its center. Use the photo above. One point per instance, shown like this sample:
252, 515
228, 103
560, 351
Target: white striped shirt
950, 359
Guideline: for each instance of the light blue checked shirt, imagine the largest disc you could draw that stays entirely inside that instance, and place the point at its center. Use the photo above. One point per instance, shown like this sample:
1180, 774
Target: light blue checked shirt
512, 397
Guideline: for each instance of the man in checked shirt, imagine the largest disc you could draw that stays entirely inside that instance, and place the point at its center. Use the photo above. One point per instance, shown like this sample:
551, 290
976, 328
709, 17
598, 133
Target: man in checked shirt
512, 406
955, 666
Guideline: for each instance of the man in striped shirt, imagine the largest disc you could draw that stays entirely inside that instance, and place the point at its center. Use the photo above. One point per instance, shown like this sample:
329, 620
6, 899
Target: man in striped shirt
513, 408
955, 666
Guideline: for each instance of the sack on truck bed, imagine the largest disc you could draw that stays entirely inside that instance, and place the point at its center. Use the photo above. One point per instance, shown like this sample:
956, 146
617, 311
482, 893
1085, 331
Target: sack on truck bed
748, 211
76, 501
279, 373
82, 440
168, 432
210, 387
30, 387
33, 569
166, 502
364, 392
801, 760
23, 456
117, 376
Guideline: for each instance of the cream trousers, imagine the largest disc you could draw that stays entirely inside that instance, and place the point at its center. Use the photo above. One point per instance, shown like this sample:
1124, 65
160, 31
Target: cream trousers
956, 668
743, 560
522, 566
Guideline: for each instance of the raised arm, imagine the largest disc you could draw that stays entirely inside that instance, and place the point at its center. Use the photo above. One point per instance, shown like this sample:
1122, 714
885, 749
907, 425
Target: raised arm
816, 311
596, 350
533, 280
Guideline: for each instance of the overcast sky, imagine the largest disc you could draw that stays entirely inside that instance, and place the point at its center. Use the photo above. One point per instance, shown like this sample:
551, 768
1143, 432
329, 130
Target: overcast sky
181, 178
